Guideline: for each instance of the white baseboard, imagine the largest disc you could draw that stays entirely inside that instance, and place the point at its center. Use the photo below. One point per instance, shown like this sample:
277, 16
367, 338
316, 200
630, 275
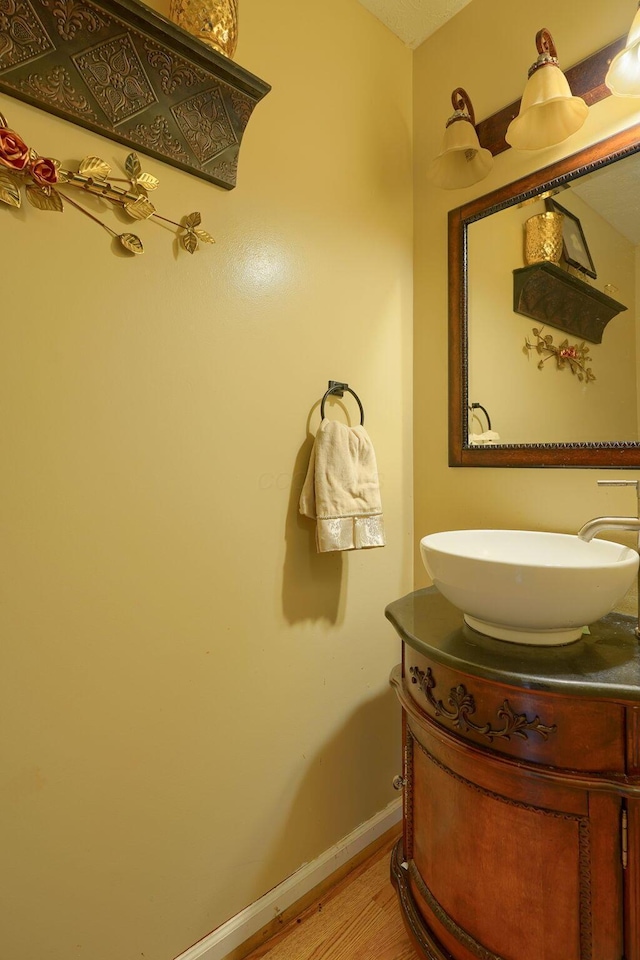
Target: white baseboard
220, 942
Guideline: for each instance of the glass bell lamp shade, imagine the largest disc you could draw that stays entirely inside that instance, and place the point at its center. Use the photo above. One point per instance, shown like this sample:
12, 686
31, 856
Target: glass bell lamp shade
623, 75
548, 111
462, 161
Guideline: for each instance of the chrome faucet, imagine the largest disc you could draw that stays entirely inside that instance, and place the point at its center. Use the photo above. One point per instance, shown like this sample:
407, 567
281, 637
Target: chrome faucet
592, 527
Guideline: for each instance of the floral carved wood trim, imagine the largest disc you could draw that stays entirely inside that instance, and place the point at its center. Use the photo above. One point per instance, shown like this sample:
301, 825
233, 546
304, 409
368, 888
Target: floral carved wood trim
463, 706
408, 794
120, 69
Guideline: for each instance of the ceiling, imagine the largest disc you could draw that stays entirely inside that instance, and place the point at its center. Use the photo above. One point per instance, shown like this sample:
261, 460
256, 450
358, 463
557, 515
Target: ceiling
612, 192
413, 20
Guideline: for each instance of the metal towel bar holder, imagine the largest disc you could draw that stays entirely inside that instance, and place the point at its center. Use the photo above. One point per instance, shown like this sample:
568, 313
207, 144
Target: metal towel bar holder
337, 388
478, 406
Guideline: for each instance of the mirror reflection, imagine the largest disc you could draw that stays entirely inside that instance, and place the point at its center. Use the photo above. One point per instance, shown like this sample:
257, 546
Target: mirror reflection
553, 347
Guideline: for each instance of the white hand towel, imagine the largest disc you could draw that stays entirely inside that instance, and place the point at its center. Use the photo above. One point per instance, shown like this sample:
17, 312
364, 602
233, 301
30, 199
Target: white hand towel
484, 439
341, 491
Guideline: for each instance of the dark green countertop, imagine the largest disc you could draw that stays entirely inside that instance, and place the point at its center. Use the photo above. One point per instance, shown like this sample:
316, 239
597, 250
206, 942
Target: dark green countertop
604, 664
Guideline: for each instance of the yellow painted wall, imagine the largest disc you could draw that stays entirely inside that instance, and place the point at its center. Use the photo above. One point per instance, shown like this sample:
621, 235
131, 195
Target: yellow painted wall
193, 703
487, 49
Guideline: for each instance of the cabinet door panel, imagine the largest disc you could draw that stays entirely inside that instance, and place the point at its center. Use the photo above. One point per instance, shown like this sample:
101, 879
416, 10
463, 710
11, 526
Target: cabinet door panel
511, 875
632, 884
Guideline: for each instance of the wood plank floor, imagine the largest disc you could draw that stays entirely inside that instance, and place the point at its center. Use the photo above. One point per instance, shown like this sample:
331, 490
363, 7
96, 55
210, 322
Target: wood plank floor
356, 920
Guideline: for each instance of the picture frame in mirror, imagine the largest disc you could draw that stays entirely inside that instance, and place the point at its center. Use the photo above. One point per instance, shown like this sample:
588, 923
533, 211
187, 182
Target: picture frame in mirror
575, 250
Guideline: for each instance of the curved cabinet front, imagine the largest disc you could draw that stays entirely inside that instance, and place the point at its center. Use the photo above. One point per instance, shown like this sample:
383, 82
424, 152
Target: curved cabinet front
516, 845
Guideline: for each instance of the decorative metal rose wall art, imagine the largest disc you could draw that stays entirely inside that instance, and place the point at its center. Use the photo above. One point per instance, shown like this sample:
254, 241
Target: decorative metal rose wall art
48, 186
575, 356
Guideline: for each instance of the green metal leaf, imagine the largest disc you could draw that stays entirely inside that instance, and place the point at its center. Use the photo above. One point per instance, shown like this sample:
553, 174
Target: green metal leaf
190, 241
132, 165
94, 167
204, 236
140, 209
149, 182
44, 198
9, 191
130, 242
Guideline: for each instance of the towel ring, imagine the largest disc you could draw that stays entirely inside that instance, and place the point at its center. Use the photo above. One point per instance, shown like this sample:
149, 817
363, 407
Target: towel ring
478, 406
338, 388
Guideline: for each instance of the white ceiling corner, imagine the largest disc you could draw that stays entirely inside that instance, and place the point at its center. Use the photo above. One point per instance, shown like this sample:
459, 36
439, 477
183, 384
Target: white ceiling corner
413, 20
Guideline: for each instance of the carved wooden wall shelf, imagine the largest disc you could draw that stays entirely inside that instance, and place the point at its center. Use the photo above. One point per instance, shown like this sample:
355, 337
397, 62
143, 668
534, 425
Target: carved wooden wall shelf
547, 293
120, 69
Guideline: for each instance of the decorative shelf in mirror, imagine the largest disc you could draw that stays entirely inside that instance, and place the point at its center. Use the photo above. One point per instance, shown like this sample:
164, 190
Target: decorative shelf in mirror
549, 294
120, 69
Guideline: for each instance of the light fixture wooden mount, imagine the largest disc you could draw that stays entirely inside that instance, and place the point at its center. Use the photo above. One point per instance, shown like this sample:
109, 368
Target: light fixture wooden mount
586, 80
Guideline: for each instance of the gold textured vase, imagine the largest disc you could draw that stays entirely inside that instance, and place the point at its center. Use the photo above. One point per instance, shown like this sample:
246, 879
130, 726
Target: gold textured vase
213, 21
543, 238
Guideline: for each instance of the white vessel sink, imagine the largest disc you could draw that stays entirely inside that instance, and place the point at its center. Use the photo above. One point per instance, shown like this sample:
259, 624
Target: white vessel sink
525, 586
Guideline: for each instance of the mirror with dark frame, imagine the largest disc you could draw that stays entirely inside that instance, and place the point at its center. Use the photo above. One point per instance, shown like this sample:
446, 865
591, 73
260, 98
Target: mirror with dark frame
542, 354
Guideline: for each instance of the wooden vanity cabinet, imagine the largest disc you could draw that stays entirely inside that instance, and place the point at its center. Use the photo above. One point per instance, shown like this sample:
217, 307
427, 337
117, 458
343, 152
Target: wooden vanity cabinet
521, 835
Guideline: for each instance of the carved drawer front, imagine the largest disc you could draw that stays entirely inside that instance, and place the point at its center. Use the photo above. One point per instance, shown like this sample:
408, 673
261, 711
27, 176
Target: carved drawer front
571, 733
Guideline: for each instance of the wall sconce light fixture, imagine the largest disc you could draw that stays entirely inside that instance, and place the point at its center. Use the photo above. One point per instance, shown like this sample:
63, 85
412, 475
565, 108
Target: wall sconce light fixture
462, 161
548, 111
623, 75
